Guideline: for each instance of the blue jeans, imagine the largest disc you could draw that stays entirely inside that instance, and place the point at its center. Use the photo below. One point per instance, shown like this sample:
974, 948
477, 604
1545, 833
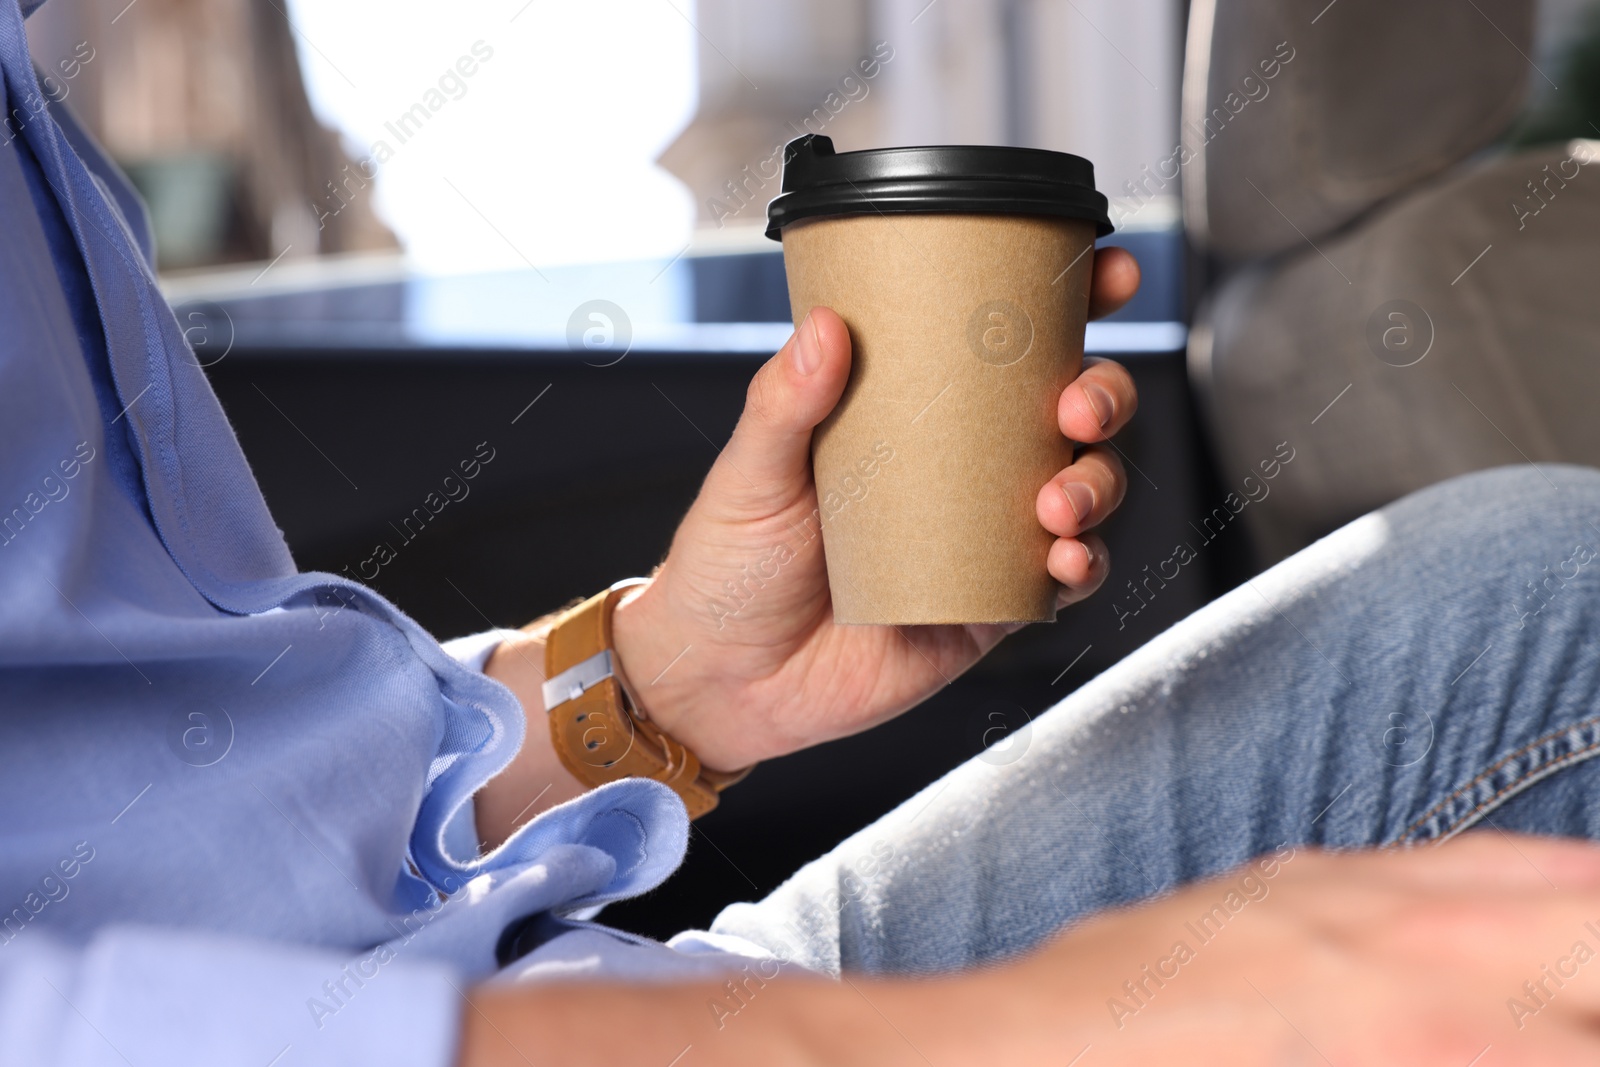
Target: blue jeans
1428, 669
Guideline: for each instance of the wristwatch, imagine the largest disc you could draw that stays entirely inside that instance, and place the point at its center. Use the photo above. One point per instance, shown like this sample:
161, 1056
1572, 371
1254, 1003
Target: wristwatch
599, 731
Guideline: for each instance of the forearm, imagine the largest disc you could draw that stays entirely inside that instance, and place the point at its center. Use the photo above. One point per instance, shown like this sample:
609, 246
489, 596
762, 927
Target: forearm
779, 1023
535, 780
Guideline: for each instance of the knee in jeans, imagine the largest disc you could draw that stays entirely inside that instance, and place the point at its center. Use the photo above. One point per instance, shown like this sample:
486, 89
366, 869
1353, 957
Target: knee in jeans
1527, 496
1508, 516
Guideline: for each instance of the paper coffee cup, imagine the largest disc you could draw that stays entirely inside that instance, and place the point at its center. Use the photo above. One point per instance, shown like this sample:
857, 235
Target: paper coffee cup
963, 275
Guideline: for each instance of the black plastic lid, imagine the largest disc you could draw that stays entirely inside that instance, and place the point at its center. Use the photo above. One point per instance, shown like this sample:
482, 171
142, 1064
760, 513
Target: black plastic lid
817, 181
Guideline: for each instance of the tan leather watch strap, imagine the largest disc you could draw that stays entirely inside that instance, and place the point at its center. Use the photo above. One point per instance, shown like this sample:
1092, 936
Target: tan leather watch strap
597, 729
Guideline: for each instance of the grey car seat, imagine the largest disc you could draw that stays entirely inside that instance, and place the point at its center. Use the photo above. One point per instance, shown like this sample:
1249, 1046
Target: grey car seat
1396, 300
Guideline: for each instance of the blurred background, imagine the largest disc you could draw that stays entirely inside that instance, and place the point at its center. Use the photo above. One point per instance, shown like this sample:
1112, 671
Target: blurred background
394, 232
586, 132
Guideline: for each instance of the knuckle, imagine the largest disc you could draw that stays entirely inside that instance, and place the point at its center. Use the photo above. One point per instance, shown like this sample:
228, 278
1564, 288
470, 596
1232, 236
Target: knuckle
1124, 384
761, 401
1105, 468
1117, 377
1112, 462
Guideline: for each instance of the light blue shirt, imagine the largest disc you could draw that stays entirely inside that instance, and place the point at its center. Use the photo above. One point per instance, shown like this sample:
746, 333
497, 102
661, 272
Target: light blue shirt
233, 794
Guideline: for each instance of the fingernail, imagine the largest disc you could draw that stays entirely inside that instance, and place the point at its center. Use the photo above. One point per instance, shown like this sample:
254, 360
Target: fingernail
1088, 557
807, 347
1100, 400
1080, 498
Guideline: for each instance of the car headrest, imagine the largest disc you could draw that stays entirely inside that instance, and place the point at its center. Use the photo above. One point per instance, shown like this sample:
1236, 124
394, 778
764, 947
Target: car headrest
1296, 120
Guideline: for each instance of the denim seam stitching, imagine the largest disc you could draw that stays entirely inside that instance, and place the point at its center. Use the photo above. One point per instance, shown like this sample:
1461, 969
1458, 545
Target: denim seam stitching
1521, 782
1482, 811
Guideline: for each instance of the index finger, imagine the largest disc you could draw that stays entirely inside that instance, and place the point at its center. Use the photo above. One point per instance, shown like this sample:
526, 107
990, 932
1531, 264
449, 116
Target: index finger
1114, 282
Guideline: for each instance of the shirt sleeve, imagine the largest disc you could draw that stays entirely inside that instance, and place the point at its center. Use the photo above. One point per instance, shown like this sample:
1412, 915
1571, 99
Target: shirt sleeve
139, 995
473, 652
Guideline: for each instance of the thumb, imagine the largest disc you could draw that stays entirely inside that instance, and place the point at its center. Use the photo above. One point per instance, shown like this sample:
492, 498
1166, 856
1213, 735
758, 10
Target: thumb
768, 458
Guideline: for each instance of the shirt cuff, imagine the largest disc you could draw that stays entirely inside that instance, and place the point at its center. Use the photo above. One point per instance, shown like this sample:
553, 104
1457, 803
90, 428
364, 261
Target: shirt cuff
473, 652
461, 832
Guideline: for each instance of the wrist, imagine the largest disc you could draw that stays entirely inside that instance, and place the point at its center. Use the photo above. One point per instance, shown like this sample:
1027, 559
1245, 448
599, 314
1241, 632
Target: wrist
535, 779
666, 681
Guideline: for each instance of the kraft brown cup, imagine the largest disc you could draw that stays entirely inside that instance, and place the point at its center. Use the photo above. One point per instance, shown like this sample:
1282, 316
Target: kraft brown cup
965, 329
